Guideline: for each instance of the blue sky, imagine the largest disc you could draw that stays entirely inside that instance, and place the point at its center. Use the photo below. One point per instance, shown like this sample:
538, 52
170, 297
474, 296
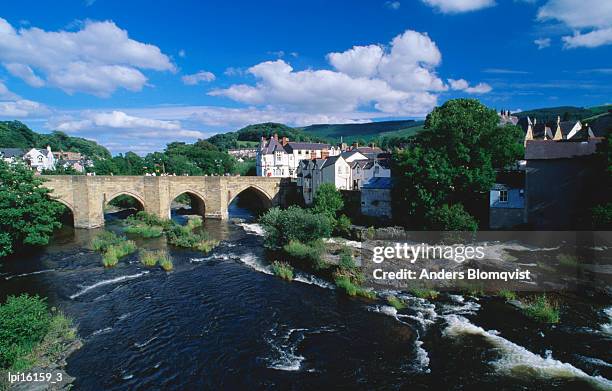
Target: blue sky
134, 75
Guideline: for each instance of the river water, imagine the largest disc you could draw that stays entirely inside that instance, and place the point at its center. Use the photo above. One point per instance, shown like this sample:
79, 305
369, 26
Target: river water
222, 321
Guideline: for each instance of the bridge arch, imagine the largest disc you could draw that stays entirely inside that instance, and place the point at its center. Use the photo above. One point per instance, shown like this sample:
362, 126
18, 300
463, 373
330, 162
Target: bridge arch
256, 198
108, 198
69, 215
196, 199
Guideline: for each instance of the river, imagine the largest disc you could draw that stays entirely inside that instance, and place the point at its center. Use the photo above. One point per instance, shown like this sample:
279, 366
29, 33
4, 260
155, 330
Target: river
222, 321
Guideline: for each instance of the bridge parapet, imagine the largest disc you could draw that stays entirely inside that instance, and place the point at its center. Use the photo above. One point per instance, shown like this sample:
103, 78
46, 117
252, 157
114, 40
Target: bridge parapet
86, 196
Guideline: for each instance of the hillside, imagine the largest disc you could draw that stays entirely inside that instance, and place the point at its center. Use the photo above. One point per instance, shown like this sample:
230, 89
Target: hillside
365, 131
14, 134
567, 113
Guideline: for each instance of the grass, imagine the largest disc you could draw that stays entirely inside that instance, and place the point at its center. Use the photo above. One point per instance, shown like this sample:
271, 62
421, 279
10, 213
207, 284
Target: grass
146, 231
114, 253
283, 270
183, 236
506, 294
165, 262
568, 261
396, 302
151, 258
310, 253
352, 289
542, 309
104, 240
30, 334
425, 293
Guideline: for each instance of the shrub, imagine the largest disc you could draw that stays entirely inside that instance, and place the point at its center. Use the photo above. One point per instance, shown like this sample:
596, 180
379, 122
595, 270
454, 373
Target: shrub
506, 294
371, 233
24, 321
111, 256
308, 253
145, 231
148, 258
144, 218
165, 262
194, 222
568, 261
104, 240
396, 302
452, 218
283, 270
328, 200
346, 259
294, 223
602, 216
343, 226
352, 289
542, 309
425, 293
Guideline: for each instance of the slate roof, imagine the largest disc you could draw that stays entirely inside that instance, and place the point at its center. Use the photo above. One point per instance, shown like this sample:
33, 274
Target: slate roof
566, 127
271, 146
11, 152
547, 149
330, 160
378, 183
300, 145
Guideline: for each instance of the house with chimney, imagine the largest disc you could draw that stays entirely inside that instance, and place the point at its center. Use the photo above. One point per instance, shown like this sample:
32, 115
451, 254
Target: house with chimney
40, 159
281, 157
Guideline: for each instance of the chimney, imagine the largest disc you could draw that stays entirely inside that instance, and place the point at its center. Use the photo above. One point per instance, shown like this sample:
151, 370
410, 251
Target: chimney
355, 144
275, 136
284, 141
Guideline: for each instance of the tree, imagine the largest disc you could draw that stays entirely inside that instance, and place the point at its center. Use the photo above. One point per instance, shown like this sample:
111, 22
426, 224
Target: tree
28, 215
452, 161
328, 200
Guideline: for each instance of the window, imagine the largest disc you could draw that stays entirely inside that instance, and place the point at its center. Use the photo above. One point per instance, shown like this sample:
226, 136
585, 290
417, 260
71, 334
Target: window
503, 196
376, 170
40, 159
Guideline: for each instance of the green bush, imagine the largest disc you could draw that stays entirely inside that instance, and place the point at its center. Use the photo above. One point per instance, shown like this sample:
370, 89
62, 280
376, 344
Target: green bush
602, 216
346, 259
352, 289
328, 200
144, 218
150, 258
111, 256
283, 270
506, 294
452, 218
145, 231
568, 261
294, 223
24, 321
396, 302
542, 309
425, 293
309, 254
104, 240
343, 226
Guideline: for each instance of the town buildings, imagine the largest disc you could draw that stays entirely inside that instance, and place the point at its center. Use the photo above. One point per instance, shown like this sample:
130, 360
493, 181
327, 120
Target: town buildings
280, 158
45, 159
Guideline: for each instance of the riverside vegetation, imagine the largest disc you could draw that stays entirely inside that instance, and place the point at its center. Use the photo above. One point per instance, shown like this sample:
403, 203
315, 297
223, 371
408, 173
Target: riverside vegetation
32, 335
113, 247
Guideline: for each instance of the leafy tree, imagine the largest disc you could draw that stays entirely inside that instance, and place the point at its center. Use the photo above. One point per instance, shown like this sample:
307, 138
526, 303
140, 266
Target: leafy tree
328, 200
452, 218
294, 223
27, 213
452, 161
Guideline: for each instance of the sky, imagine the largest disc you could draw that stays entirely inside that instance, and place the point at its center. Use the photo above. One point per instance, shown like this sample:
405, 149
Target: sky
135, 75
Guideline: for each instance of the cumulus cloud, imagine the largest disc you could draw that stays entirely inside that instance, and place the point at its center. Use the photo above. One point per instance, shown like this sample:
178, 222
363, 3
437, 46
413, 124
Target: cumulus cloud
196, 78
97, 59
458, 6
591, 20
542, 43
12, 105
463, 85
400, 80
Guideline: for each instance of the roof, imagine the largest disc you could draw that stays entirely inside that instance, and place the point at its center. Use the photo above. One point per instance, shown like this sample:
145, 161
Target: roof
330, 161
378, 183
510, 179
11, 152
299, 145
548, 149
566, 127
271, 146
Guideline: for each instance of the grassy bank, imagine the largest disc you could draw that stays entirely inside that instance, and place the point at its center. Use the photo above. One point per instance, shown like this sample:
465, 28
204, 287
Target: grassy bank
32, 335
283, 270
159, 257
542, 309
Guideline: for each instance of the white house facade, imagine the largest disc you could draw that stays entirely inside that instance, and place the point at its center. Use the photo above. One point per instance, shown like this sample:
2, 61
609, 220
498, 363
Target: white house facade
40, 159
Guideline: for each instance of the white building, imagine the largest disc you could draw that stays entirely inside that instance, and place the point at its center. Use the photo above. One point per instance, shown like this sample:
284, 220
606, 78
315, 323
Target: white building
40, 159
11, 155
347, 171
280, 158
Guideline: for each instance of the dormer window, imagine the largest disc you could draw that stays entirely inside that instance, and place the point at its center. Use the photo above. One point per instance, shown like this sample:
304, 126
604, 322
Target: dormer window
40, 159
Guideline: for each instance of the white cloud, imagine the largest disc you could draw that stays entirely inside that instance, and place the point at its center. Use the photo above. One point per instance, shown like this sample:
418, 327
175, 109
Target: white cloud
97, 59
594, 16
458, 6
592, 39
182, 53
463, 85
5, 93
201, 76
394, 5
542, 42
22, 108
400, 80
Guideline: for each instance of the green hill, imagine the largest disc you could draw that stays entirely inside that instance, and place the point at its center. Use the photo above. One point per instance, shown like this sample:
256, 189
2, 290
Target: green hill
567, 113
366, 131
14, 134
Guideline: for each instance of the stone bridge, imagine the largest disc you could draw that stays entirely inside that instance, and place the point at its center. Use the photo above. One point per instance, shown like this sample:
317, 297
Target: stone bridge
86, 196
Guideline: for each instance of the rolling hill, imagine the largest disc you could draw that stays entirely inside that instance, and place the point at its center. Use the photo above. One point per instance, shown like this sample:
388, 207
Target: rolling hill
364, 131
